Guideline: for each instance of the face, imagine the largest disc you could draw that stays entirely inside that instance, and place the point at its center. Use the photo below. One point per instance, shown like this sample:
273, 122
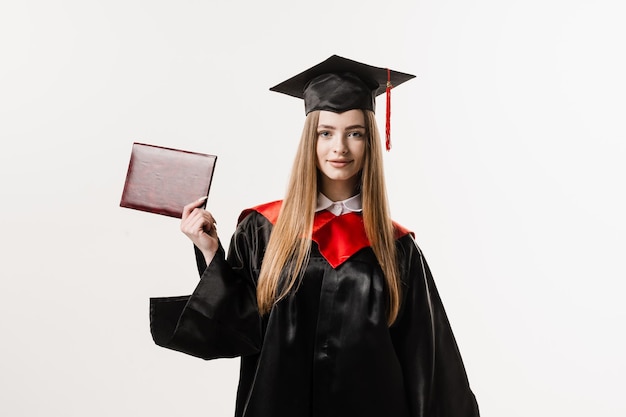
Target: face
341, 141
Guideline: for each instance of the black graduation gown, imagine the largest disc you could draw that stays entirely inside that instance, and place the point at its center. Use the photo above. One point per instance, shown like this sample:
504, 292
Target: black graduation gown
326, 350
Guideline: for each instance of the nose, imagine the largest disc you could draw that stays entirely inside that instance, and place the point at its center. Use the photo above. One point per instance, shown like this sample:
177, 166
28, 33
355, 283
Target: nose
340, 146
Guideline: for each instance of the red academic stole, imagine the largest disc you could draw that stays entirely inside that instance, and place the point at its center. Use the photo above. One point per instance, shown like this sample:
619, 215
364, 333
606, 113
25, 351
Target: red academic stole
337, 237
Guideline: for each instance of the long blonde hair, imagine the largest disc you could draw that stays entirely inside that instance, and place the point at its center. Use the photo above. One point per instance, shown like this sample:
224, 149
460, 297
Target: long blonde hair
290, 242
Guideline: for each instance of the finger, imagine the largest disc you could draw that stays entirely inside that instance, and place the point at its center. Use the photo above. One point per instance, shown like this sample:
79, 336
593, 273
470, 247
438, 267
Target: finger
209, 225
199, 222
194, 222
189, 207
211, 229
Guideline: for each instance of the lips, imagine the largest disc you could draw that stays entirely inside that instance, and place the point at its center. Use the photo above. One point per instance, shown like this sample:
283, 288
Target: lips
339, 163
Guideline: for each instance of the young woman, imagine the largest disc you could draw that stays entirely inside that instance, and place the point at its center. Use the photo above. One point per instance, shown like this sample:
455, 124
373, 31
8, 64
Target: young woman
329, 303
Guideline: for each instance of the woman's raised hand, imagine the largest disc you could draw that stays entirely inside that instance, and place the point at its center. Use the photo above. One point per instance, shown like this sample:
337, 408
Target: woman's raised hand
199, 226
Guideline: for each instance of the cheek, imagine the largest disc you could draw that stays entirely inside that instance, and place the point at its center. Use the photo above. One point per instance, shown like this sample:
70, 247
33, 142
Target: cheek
318, 150
359, 153
319, 153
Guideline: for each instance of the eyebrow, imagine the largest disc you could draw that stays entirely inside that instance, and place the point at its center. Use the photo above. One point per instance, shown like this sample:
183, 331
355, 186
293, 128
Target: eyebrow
347, 127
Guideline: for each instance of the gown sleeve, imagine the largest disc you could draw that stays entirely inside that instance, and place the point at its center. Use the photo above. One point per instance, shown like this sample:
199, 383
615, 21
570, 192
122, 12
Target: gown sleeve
435, 379
220, 319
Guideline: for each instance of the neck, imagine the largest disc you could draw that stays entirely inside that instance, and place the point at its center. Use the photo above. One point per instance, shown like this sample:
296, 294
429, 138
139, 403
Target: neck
338, 190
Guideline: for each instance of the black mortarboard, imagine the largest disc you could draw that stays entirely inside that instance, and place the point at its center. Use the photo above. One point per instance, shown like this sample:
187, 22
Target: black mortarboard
339, 84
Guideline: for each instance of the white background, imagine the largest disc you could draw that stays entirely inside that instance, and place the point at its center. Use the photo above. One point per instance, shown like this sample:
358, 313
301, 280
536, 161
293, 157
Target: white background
508, 163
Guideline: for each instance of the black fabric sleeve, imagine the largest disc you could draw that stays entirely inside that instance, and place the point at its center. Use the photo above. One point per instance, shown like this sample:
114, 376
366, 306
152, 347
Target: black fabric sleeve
435, 379
220, 319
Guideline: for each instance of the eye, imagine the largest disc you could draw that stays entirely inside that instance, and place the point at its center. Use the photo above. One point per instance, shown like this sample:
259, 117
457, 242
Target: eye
355, 134
323, 134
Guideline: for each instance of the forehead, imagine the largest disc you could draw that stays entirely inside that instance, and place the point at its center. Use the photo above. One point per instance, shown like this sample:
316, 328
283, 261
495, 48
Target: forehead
347, 118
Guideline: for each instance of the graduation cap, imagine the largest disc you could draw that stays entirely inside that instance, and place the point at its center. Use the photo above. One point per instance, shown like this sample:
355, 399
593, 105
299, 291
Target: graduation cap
339, 84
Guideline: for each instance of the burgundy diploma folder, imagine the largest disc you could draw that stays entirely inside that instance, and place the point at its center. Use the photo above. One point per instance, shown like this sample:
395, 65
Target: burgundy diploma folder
163, 180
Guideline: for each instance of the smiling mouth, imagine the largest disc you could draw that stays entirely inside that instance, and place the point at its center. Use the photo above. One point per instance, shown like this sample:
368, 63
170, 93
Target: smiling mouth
339, 163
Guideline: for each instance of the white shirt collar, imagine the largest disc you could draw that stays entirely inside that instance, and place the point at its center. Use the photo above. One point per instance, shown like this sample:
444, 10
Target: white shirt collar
352, 204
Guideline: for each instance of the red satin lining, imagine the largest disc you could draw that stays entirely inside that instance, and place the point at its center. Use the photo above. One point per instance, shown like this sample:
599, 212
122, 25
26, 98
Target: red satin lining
337, 237
388, 112
269, 210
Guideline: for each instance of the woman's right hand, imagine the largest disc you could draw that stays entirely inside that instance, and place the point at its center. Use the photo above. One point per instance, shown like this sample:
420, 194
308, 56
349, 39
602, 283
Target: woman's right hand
200, 226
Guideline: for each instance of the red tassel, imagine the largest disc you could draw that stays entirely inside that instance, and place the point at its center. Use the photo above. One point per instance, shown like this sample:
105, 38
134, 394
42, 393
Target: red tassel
388, 115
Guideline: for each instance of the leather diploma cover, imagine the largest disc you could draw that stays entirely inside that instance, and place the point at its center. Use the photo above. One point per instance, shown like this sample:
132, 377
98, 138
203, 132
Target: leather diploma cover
163, 180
